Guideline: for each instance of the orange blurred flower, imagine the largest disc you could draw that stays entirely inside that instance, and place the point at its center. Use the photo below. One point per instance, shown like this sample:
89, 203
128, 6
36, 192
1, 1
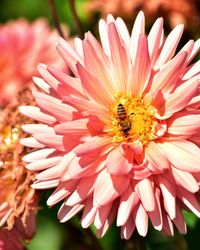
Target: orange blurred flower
18, 201
175, 11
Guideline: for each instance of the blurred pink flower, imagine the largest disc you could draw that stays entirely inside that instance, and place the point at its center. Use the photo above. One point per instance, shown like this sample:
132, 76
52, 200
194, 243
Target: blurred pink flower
121, 138
23, 45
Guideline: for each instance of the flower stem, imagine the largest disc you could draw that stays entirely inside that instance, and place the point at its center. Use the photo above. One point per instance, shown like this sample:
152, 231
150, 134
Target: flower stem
55, 17
76, 19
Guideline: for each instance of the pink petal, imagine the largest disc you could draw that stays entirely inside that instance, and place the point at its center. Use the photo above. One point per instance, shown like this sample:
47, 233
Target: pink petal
116, 163
169, 196
68, 85
42, 84
69, 55
90, 107
103, 32
187, 156
156, 215
156, 157
102, 215
140, 72
179, 221
128, 228
65, 213
63, 190
37, 128
88, 214
170, 46
192, 71
189, 200
141, 221
84, 188
54, 106
92, 145
155, 38
94, 88
123, 31
178, 100
184, 123
167, 225
38, 155
31, 142
75, 126
55, 172
145, 192
138, 29
101, 232
43, 164
54, 141
45, 184
185, 179
109, 187
119, 58
167, 77
35, 113
78, 168
97, 63
128, 201
195, 50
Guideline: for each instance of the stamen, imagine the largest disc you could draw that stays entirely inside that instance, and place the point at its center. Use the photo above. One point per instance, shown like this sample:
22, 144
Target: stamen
132, 119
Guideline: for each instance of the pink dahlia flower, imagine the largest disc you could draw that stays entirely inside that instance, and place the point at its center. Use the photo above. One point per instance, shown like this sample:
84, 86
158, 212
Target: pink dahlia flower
22, 46
120, 139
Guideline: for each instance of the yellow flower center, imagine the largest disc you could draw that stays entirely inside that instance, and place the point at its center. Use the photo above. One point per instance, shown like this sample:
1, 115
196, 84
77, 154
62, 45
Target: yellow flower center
131, 118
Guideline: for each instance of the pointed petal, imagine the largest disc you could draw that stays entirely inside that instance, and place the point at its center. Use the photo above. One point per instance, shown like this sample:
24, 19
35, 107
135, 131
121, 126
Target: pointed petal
38, 155
118, 57
88, 214
141, 221
138, 28
31, 142
84, 188
167, 77
156, 215
108, 188
187, 157
140, 73
62, 191
170, 46
116, 163
189, 200
102, 215
128, 228
35, 113
94, 88
128, 202
184, 123
178, 100
145, 192
45, 184
169, 196
65, 213
54, 106
155, 38
43, 164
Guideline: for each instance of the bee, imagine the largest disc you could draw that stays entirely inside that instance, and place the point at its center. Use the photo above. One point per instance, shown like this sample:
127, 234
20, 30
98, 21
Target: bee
123, 119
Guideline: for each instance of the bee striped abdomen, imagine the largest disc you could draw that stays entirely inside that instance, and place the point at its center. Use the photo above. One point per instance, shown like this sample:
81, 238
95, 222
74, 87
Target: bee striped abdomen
123, 120
121, 112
